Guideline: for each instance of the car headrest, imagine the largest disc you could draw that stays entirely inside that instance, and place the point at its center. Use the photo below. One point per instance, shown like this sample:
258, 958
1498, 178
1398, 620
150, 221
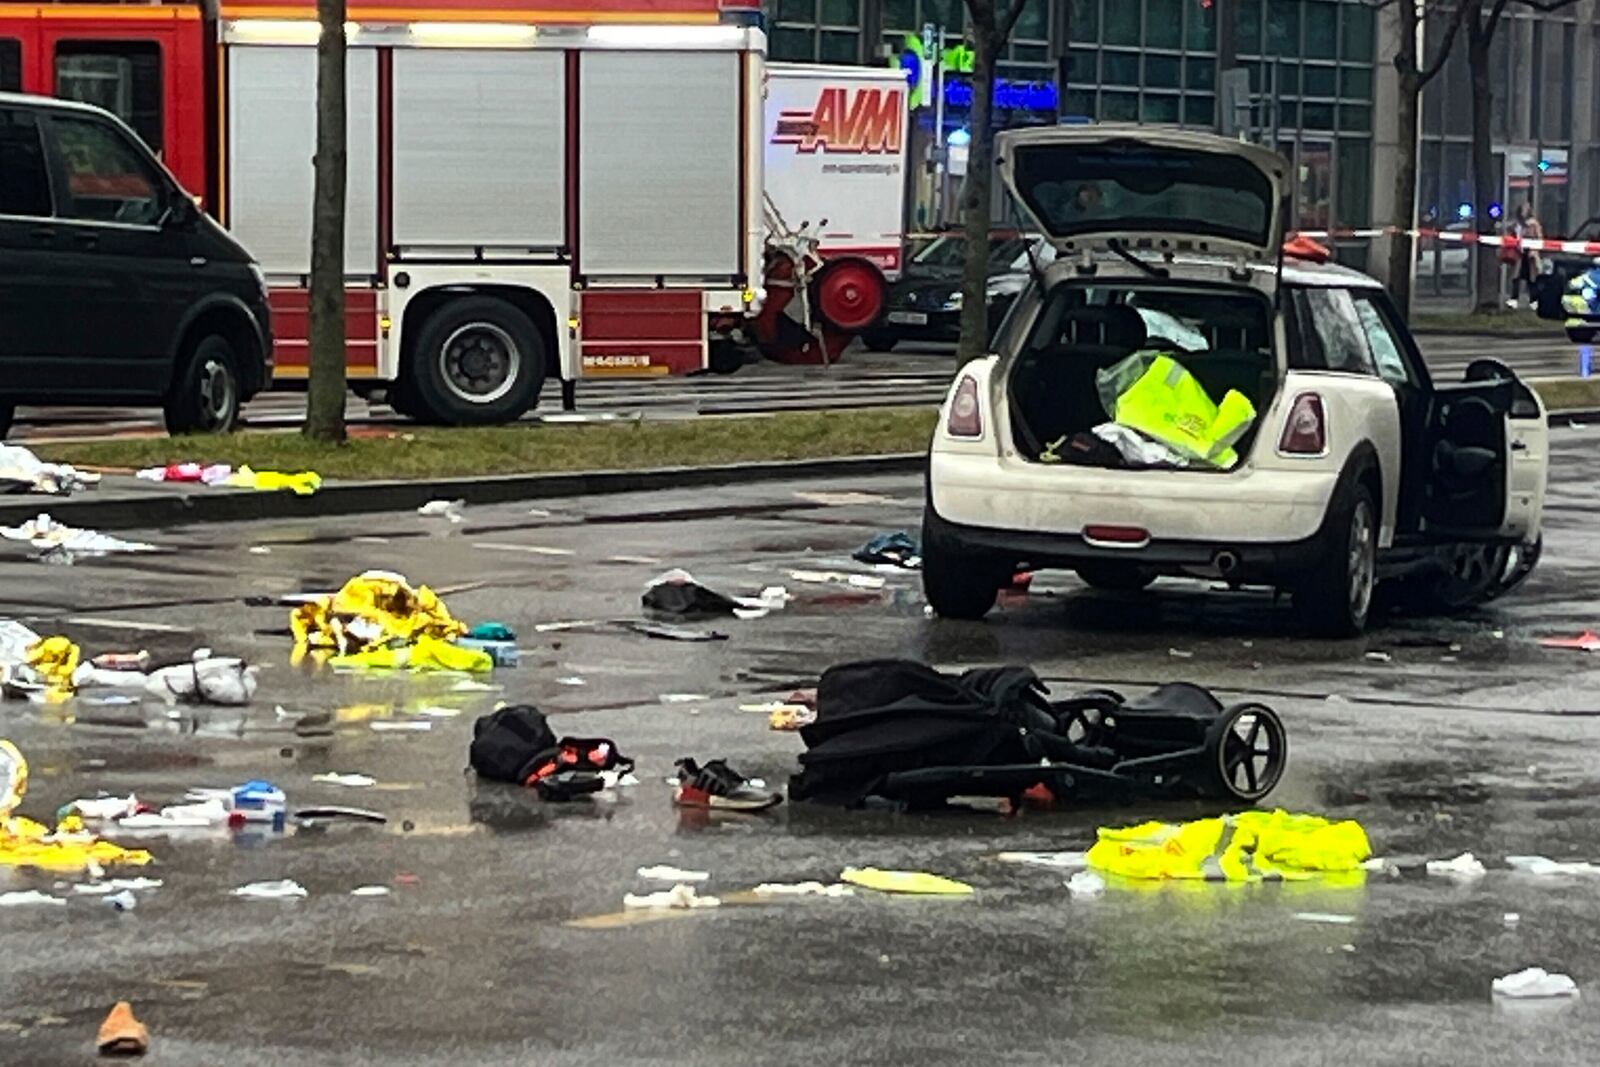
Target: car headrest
1117, 325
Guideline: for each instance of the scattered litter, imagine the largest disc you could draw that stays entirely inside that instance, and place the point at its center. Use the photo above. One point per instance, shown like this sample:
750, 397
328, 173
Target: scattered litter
857, 581
677, 593
1588, 641
913, 882
1086, 884
102, 807
789, 718
213, 474
803, 889
682, 698
303, 483
374, 610
260, 550
121, 1034
443, 509
679, 896
1247, 847
60, 543
435, 712
329, 811
25, 843
1511, 918
892, 549
1379, 657
1463, 866
354, 781
21, 470
283, 889
672, 874
1062, 860
572, 680
27, 896
1541, 865
122, 901
666, 632
492, 631
1535, 982
468, 685
387, 726
1324, 917
207, 813
116, 885
1180, 653
370, 891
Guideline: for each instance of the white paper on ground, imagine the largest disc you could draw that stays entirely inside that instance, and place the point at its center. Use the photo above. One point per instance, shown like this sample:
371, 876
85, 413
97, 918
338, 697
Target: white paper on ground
858, 581
370, 891
385, 726
27, 896
1543, 866
679, 896
1465, 865
1086, 884
354, 781
664, 873
283, 889
682, 698
1324, 917
116, 885
105, 807
211, 812
1062, 860
803, 889
1535, 982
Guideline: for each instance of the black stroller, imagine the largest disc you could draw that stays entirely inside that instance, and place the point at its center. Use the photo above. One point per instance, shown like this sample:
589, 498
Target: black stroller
901, 731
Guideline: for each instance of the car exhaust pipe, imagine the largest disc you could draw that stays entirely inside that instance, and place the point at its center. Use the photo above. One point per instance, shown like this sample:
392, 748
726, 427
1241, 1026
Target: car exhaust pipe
1226, 562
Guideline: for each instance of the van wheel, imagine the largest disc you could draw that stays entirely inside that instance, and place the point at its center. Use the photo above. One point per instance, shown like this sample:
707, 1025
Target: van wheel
7, 413
478, 360
205, 394
1335, 598
957, 585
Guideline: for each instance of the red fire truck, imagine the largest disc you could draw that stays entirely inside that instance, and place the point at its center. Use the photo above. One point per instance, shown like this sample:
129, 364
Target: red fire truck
533, 192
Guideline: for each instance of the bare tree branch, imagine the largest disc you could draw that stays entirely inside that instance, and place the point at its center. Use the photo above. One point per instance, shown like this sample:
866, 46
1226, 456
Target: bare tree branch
1428, 73
1499, 9
1009, 22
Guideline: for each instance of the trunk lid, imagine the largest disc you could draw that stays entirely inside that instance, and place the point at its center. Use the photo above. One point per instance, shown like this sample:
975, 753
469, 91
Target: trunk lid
1089, 187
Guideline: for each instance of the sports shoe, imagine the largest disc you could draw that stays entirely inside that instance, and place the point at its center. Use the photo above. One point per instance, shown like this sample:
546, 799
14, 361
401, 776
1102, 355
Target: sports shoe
719, 787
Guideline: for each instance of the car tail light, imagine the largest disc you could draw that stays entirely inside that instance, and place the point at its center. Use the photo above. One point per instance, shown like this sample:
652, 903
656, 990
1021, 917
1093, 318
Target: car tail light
966, 418
1306, 432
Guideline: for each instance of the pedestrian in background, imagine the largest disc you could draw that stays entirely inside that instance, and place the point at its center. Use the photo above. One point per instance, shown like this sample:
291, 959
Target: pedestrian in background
1523, 260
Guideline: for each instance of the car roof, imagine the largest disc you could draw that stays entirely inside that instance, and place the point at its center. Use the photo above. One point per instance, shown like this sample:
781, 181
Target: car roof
1310, 273
52, 102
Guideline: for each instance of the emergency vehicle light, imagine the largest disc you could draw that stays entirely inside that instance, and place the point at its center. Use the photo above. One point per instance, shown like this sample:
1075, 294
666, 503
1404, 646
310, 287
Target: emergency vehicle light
279, 31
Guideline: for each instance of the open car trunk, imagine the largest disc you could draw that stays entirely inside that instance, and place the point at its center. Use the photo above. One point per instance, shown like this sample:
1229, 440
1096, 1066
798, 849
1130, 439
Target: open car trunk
1092, 339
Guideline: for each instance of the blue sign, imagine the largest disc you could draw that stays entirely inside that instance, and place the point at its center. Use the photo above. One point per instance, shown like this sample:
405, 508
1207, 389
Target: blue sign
1009, 95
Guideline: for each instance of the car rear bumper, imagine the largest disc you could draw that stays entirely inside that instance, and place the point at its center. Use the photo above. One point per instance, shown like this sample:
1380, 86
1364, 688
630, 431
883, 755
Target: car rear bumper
1241, 508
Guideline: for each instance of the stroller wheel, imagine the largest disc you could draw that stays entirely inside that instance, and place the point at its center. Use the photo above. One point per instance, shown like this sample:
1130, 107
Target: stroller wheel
1247, 749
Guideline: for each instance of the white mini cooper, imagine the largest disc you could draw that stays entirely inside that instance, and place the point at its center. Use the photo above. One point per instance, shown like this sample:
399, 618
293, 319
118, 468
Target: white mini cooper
1357, 468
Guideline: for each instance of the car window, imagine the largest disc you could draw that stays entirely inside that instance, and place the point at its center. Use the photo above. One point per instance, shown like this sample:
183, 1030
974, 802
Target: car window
24, 179
1381, 339
108, 179
1331, 334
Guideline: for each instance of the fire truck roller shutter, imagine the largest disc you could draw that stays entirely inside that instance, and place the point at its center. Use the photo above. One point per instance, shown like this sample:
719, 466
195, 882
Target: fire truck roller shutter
479, 153
658, 167
272, 123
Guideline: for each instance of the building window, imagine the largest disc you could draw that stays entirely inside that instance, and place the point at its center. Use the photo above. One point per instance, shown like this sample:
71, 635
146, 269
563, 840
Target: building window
1247, 27
1283, 28
1357, 29
810, 30
1199, 111
124, 77
1163, 72
1159, 107
1119, 107
1163, 23
10, 65
1085, 25
1122, 22
1322, 29
1120, 68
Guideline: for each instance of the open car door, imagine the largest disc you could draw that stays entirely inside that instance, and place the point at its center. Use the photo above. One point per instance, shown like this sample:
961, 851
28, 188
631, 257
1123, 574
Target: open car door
1487, 455
1090, 187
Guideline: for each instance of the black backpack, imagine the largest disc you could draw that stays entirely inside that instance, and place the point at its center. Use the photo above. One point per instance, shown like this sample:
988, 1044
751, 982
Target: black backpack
509, 744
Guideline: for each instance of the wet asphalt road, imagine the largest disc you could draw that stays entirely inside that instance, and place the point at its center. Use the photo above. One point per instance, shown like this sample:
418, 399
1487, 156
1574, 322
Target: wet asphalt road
470, 960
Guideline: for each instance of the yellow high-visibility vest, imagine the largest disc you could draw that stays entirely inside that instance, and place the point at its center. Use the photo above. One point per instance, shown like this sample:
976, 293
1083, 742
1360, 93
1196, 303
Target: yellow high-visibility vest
1248, 847
1168, 404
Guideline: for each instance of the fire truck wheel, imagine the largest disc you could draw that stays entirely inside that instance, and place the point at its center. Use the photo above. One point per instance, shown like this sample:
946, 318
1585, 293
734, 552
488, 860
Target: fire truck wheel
204, 397
478, 360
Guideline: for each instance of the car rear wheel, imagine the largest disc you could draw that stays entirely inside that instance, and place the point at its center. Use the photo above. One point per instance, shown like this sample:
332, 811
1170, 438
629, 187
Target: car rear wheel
1581, 336
1335, 598
1116, 577
958, 585
205, 396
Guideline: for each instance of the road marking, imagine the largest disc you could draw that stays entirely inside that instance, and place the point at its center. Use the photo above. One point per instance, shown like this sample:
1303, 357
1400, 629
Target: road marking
126, 624
537, 550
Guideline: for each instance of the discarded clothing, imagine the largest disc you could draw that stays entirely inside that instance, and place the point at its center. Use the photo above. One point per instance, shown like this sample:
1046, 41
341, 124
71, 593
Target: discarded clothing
69, 847
1138, 450
892, 549
1534, 982
22, 471
677, 593
377, 609
302, 484
208, 474
918, 883
516, 744
1154, 394
679, 896
45, 671
720, 788
492, 631
60, 543
426, 654
1248, 847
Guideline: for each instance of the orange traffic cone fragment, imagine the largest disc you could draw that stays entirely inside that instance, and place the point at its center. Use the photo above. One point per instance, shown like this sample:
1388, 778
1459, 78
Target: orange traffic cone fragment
121, 1034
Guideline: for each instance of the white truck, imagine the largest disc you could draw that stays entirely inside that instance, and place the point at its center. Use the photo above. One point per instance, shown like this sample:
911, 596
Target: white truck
835, 177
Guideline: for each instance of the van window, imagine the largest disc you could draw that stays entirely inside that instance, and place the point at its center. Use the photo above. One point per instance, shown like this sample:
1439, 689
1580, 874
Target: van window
24, 181
10, 65
124, 77
108, 179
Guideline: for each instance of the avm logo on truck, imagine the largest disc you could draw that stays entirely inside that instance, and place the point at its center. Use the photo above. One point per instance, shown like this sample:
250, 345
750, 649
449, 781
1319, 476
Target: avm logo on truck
872, 123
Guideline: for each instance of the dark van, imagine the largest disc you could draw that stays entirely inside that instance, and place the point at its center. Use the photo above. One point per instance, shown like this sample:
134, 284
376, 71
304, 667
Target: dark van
114, 287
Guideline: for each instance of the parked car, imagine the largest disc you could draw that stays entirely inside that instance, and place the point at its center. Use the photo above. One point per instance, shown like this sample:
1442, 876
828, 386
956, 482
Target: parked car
114, 287
1580, 304
925, 304
1357, 468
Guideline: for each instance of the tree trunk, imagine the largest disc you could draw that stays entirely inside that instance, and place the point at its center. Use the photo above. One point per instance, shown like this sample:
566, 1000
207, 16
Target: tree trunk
1485, 187
976, 200
326, 387
1402, 253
